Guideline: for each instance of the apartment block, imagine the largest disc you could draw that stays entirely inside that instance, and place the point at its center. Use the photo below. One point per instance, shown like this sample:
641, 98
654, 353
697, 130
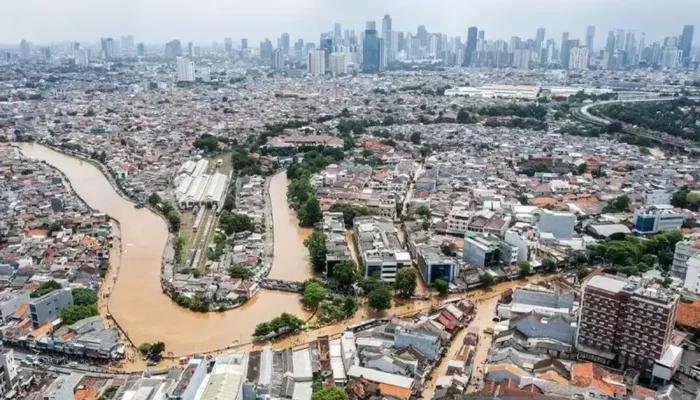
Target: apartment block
684, 251
49, 306
380, 250
625, 325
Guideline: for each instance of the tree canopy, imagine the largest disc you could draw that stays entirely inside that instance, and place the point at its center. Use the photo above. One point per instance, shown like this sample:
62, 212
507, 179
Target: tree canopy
314, 294
379, 298
84, 296
345, 273
406, 281
441, 286
330, 393
316, 243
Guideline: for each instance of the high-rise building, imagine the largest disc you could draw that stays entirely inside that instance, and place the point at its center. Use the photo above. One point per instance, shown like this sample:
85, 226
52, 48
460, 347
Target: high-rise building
81, 58
472, 38
316, 62
337, 32
140, 50
620, 39
521, 58
371, 50
388, 56
205, 73
338, 64
610, 44
24, 52
590, 37
686, 40
578, 58
539, 40
671, 57
228, 45
173, 49
514, 44
127, 45
277, 59
266, 51
108, 50
284, 44
624, 325
564, 52
185, 70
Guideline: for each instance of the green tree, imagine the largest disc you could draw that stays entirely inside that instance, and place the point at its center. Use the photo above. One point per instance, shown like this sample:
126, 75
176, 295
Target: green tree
619, 204
145, 348
406, 281
45, 288
525, 269
487, 280
582, 273
157, 348
441, 286
314, 294
74, 313
423, 211
84, 296
231, 222
316, 243
415, 137
330, 393
549, 265
312, 213
345, 273
582, 169
154, 199
349, 305
240, 272
380, 298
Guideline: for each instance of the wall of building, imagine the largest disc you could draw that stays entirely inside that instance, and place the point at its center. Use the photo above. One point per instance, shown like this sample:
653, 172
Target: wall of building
48, 307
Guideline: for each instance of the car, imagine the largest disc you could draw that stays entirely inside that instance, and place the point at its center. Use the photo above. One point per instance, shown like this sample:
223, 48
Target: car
72, 364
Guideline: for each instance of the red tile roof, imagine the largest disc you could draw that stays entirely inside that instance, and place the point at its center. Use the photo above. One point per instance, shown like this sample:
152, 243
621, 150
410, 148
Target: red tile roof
689, 314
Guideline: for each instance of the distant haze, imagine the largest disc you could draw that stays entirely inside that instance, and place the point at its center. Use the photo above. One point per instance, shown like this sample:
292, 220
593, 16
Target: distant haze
206, 21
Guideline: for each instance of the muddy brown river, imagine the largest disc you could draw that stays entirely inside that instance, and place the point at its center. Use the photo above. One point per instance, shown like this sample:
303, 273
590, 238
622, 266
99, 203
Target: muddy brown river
137, 303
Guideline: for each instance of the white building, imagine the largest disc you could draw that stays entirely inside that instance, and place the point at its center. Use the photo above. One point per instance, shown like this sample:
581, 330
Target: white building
8, 375
524, 247
684, 251
316, 62
338, 64
657, 197
205, 74
185, 70
521, 59
692, 276
496, 91
81, 58
657, 218
558, 224
380, 250
578, 58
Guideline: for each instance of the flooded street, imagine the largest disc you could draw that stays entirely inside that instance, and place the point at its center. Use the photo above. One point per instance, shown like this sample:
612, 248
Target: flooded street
137, 303
291, 258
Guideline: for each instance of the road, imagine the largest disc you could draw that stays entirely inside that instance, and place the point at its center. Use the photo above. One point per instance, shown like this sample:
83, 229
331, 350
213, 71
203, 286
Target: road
583, 114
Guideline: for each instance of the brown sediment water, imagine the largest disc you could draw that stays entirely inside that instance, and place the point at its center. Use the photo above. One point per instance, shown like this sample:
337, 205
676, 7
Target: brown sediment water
291, 258
136, 301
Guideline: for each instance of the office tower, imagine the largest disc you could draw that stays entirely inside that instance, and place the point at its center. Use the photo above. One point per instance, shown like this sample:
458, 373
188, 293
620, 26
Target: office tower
551, 46
410, 45
610, 44
578, 58
185, 69
472, 38
686, 40
564, 52
514, 44
46, 53
371, 50
140, 50
481, 35
277, 59
620, 39
422, 36
284, 41
107, 45
74, 47
539, 40
337, 31
388, 57
197, 51
205, 73
228, 45
624, 325
640, 48
81, 58
316, 62
671, 57
299, 50
172, 49
266, 51
521, 59
24, 50
244, 44
590, 37
338, 64
655, 54
127, 44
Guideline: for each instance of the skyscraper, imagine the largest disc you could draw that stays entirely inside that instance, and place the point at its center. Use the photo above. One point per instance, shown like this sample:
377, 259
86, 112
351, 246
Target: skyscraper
620, 39
127, 44
185, 70
316, 62
338, 64
590, 36
107, 48
686, 40
228, 45
564, 52
266, 51
244, 48
24, 50
336, 32
140, 50
422, 36
386, 37
610, 44
277, 59
371, 50
539, 40
284, 43
472, 35
578, 58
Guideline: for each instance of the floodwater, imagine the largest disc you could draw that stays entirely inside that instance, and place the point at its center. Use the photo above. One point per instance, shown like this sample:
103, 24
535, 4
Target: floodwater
136, 302
291, 258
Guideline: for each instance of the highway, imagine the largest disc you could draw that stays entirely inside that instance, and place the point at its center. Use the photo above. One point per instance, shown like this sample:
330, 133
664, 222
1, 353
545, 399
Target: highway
583, 114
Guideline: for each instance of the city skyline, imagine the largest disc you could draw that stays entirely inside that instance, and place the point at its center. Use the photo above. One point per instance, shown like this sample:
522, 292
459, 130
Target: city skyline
212, 22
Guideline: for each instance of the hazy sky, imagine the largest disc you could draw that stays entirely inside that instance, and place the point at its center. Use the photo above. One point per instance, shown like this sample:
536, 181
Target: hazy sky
205, 21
